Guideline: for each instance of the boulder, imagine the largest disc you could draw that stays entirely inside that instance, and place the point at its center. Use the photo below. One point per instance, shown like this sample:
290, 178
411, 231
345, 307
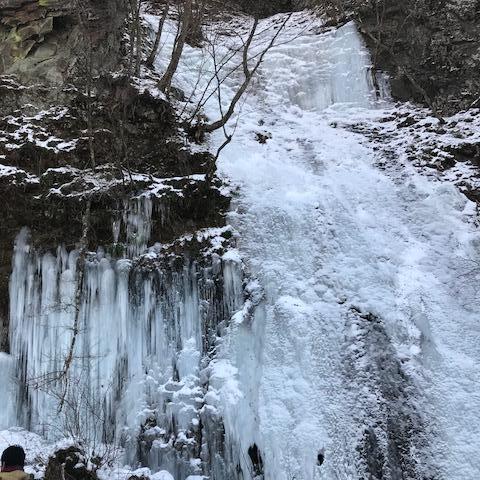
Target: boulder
68, 463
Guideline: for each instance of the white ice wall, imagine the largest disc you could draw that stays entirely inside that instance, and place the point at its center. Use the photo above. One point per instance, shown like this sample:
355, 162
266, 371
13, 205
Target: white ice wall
328, 68
329, 236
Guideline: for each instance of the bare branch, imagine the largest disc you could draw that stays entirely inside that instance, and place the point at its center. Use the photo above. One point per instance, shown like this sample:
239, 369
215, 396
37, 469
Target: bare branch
248, 74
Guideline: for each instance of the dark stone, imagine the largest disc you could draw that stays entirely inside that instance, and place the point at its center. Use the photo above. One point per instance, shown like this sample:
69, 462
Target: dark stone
256, 459
68, 463
373, 455
466, 151
265, 8
396, 428
408, 122
263, 137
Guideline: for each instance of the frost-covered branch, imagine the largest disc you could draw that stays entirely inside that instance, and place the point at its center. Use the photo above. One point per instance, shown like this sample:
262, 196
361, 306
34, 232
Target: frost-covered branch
80, 275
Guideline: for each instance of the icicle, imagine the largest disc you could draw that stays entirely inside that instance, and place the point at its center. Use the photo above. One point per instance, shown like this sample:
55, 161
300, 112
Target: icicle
6, 390
116, 225
137, 218
232, 282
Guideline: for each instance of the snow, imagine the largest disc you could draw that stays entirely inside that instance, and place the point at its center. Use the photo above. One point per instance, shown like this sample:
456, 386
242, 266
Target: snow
418, 138
37, 450
163, 475
24, 129
127, 473
79, 183
17, 175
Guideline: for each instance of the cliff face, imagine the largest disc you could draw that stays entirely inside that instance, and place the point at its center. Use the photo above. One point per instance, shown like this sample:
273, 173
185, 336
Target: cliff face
84, 146
42, 49
45, 40
430, 49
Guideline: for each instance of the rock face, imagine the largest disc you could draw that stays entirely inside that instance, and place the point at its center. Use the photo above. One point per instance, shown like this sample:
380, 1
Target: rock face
68, 463
50, 126
430, 49
50, 39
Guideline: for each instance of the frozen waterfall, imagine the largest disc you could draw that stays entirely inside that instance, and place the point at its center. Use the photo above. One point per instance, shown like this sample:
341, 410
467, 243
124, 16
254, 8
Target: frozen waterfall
327, 69
361, 360
345, 350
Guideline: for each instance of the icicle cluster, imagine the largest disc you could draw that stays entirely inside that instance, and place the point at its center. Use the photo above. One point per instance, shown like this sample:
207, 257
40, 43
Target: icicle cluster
147, 329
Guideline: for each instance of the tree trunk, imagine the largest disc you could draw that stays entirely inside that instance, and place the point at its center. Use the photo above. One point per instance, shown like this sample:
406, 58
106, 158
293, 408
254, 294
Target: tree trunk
138, 39
80, 275
158, 36
166, 81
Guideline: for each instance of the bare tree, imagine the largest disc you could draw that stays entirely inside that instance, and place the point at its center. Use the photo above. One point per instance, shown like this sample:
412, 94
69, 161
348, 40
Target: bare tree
135, 36
418, 88
90, 130
87, 74
195, 33
249, 66
80, 275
